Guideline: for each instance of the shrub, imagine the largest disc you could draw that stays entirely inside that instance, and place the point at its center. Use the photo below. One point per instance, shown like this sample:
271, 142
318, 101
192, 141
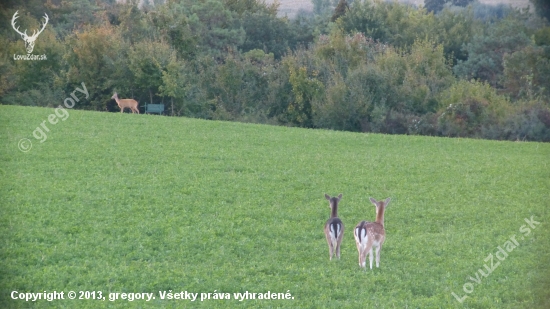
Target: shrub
485, 52
527, 72
418, 76
347, 104
466, 107
529, 122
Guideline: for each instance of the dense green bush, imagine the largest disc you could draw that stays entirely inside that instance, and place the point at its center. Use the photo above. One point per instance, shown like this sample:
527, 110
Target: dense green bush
527, 72
542, 7
377, 66
486, 51
469, 108
348, 104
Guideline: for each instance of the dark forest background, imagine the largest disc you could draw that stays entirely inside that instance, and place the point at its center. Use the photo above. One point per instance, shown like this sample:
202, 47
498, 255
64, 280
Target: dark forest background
455, 68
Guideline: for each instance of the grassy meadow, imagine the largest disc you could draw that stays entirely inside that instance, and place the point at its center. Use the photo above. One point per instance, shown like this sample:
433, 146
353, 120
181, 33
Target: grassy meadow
128, 203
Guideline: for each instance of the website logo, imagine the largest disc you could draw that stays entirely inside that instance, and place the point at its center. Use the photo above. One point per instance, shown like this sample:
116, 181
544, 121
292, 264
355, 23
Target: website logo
29, 40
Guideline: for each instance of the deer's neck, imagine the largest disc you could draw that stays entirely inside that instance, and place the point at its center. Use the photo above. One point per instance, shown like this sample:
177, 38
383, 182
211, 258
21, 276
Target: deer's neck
380, 216
334, 211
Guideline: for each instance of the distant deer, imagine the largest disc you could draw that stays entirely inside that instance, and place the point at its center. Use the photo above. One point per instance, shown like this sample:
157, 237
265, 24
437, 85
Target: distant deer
334, 228
371, 234
123, 103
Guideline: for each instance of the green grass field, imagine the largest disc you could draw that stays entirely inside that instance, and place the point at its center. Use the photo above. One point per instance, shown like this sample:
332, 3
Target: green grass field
128, 203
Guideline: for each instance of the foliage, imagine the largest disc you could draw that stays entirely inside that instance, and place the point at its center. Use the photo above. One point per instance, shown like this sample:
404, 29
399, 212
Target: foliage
305, 88
218, 28
469, 106
438, 5
251, 6
527, 72
267, 32
174, 80
486, 52
542, 7
321, 7
389, 22
400, 26
134, 24
491, 13
542, 36
147, 62
529, 121
456, 30
171, 22
346, 52
98, 55
32, 82
70, 15
340, 10
434, 5
348, 104
418, 76
366, 66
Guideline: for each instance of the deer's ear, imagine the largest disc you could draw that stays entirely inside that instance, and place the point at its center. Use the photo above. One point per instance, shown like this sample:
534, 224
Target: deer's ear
327, 196
340, 196
373, 201
387, 201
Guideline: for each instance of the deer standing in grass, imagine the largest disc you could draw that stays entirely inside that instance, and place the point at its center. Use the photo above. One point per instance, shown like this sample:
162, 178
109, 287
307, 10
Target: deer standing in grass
123, 103
371, 234
334, 228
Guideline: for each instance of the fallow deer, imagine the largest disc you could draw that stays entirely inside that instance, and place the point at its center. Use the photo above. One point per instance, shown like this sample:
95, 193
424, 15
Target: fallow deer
123, 103
334, 228
371, 234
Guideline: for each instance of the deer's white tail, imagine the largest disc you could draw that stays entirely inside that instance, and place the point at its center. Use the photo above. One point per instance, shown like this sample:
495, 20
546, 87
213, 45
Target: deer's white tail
335, 231
361, 236
334, 228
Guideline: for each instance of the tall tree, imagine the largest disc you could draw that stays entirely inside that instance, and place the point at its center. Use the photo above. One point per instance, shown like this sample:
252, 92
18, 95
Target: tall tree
148, 60
217, 27
340, 10
434, 5
173, 85
486, 51
172, 22
267, 32
542, 7
97, 58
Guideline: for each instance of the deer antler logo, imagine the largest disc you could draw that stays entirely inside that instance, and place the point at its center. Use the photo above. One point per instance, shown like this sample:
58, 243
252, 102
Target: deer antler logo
29, 40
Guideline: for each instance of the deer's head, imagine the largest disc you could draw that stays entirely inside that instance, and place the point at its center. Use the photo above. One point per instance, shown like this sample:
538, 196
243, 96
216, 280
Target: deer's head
29, 40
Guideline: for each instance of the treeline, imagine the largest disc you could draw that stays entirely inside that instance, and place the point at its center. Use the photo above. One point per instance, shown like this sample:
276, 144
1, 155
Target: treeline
475, 71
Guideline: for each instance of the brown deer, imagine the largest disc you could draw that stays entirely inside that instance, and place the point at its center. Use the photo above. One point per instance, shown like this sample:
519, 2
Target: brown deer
334, 228
123, 103
371, 234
